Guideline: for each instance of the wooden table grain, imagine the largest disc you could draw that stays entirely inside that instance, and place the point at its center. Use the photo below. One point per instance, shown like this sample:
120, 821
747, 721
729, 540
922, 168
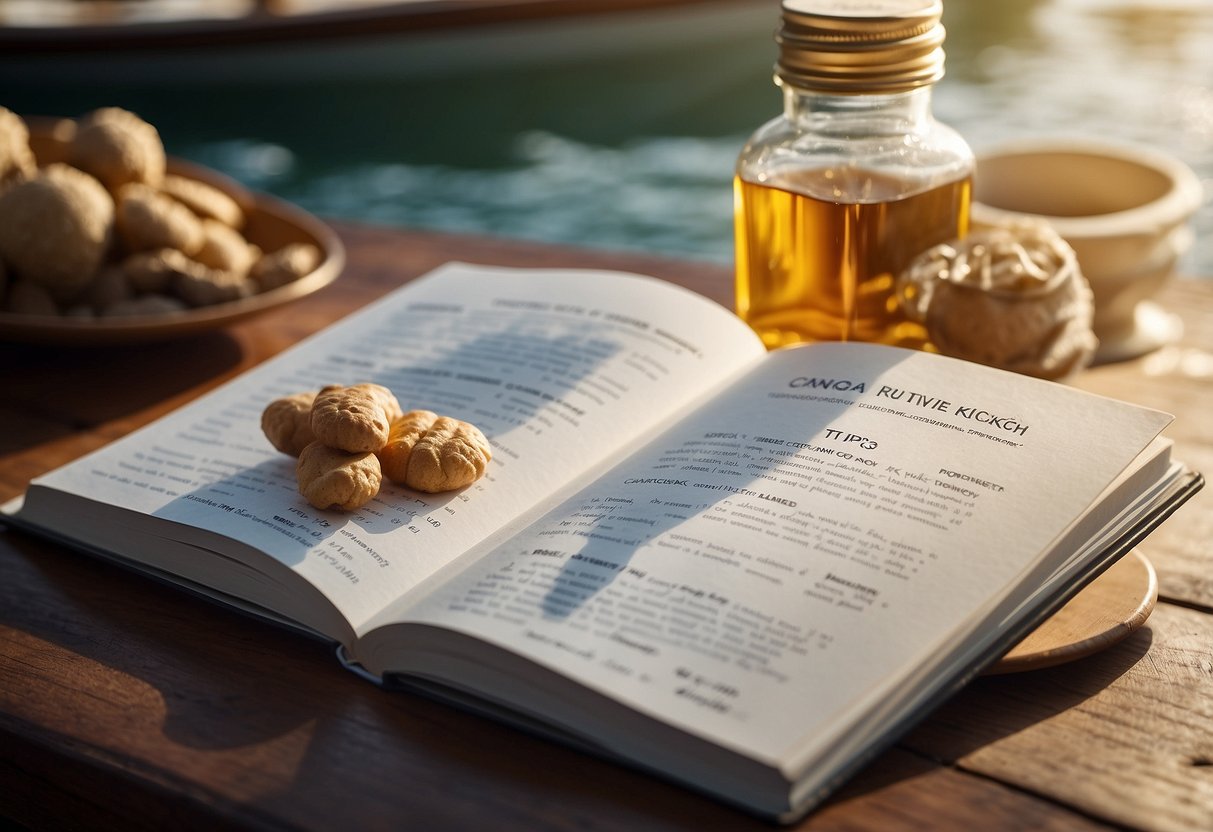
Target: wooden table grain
125, 704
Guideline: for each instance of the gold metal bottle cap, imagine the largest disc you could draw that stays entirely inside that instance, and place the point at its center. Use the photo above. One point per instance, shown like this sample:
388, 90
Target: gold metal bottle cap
860, 46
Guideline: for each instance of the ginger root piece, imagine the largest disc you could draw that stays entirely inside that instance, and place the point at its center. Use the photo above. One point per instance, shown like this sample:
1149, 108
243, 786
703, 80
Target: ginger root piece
286, 265
287, 423
204, 200
1010, 297
156, 270
147, 219
225, 249
330, 478
432, 453
118, 148
17, 161
201, 286
354, 418
55, 228
168, 271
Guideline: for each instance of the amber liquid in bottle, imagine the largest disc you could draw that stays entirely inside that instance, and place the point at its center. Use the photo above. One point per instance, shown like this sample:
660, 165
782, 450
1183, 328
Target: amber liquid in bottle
819, 269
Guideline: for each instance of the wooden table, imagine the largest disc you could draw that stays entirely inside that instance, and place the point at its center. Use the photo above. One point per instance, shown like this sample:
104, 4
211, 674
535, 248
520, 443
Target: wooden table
128, 705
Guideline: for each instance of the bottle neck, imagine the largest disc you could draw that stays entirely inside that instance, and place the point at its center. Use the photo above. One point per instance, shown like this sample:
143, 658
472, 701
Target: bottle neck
833, 114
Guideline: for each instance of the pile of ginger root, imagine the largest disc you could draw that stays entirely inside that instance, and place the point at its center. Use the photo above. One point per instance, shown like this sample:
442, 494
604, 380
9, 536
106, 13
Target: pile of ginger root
103, 230
348, 439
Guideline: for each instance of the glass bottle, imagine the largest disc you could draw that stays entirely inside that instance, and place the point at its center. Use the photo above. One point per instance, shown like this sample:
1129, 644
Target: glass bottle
836, 196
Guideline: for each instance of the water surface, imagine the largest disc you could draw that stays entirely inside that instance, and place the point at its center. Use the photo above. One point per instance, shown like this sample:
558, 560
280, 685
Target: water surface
638, 153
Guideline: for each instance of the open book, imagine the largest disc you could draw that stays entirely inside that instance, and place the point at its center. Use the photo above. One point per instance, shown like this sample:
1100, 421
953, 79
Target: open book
745, 571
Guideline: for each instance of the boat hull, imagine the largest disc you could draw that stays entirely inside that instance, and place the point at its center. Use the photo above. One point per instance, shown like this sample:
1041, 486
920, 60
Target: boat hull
404, 45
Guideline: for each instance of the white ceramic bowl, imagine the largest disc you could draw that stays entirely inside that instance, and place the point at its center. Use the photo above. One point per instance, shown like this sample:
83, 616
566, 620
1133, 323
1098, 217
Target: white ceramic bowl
1124, 208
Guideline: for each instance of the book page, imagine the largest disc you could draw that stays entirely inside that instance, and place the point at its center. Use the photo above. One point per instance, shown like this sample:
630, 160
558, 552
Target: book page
559, 369
797, 544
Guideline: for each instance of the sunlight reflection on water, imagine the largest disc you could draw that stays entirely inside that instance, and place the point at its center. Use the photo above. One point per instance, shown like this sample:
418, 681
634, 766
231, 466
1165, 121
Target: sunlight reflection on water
1137, 71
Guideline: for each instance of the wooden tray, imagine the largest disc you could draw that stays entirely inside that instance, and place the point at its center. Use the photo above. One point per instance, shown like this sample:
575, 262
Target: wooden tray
1103, 613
